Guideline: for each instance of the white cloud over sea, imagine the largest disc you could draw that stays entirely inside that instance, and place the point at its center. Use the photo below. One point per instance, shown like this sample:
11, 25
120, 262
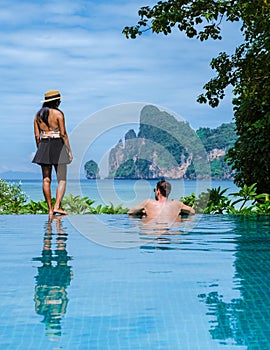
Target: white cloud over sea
77, 47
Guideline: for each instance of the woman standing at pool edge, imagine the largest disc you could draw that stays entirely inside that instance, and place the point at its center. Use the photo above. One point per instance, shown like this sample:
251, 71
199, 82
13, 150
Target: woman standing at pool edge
53, 148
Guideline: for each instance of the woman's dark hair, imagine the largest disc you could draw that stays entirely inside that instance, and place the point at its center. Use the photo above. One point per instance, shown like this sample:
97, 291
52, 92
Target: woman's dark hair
43, 113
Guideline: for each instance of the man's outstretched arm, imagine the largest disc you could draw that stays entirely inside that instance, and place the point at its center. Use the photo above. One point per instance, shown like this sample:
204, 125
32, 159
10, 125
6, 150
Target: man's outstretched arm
186, 209
138, 209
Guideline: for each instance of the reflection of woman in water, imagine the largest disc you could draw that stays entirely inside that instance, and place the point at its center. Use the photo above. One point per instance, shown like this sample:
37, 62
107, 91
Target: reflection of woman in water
53, 148
53, 278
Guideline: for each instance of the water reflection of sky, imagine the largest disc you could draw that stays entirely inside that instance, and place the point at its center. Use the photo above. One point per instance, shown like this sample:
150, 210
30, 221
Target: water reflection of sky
201, 288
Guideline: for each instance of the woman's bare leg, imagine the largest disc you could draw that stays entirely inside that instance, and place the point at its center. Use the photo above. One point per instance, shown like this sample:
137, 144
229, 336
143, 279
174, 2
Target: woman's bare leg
46, 185
61, 172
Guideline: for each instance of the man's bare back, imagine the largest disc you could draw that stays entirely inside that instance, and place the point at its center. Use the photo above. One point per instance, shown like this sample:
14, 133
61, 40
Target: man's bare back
161, 208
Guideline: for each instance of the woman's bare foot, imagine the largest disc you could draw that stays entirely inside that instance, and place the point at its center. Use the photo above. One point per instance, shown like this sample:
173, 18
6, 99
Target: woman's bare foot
59, 212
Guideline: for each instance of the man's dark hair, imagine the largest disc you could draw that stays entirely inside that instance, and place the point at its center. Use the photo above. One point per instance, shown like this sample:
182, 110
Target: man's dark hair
164, 187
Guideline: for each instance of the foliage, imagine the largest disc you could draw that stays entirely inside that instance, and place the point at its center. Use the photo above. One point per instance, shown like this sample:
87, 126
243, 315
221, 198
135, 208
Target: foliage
246, 201
162, 133
126, 169
11, 197
189, 200
165, 143
130, 135
220, 169
214, 201
13, 201
91, 169
77, 205
217, 201
32, 207
246, 71
109, 209
249, 193
222, 137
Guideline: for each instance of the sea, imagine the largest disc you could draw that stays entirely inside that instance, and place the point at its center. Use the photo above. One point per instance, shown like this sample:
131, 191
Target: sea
123, 192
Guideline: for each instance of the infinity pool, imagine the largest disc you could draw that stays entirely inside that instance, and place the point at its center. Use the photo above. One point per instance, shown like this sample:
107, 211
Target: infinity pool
200, 285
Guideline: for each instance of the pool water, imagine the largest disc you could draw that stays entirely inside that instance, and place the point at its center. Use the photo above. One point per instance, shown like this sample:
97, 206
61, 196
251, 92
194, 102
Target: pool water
200, 286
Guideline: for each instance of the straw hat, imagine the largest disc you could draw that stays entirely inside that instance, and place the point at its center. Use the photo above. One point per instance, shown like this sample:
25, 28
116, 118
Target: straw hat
51, 95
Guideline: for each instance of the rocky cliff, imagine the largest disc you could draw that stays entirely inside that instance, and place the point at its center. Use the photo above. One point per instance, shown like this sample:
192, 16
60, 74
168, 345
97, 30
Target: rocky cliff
166, 147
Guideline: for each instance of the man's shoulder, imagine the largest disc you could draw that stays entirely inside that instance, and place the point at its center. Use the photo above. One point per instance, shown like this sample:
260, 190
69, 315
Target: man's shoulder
176, 202
150, 201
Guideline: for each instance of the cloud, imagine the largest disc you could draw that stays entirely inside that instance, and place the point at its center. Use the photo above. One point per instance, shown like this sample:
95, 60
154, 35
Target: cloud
78, 48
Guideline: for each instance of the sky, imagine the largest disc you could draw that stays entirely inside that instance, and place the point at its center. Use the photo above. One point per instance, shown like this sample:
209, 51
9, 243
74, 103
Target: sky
77, 47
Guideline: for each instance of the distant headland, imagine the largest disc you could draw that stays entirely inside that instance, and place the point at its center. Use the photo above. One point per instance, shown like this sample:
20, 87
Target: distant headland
167, 147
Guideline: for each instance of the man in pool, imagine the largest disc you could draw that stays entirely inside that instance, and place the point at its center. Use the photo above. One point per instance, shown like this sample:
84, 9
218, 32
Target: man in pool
161, 208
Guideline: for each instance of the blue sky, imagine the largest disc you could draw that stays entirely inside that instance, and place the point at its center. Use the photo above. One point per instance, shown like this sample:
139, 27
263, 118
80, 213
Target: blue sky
77, 47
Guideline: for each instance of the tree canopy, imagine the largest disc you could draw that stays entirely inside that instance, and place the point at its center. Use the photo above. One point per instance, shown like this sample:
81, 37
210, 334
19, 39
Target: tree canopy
246, 70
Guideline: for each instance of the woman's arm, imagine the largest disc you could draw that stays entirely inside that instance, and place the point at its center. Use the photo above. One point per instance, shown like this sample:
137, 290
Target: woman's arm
36, 131
63, 133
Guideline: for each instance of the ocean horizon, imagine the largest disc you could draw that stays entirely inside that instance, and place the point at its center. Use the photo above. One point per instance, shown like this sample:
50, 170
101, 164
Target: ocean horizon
126, 192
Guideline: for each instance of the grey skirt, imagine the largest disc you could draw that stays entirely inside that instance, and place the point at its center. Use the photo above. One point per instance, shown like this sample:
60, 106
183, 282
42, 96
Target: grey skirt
51, 151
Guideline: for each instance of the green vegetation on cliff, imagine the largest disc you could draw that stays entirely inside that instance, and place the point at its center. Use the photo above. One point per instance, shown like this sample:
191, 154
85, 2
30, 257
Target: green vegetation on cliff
91, 170
216, 142
168, 147
223, 137
163, 134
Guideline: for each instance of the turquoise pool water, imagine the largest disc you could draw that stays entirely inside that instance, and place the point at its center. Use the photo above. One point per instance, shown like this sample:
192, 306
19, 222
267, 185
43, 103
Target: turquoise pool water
204, 286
